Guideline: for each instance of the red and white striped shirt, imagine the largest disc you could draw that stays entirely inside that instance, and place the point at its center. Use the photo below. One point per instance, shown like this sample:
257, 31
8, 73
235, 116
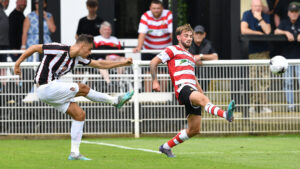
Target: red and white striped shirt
158, 30
181, 64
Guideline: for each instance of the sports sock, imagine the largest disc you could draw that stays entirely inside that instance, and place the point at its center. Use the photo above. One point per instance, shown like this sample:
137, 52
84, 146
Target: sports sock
101, 97
76, 135
179, 138
214, 110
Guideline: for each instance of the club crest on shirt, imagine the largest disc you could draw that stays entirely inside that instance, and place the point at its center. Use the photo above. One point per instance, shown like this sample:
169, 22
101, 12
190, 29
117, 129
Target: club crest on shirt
184, 62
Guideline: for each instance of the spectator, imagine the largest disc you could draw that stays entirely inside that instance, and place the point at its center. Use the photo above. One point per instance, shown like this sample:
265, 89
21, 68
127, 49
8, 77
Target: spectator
291, 29
16, 20
280, 9
30, 34
256, 22
107, 42
90, 24
202, 48
4, 42
155, 29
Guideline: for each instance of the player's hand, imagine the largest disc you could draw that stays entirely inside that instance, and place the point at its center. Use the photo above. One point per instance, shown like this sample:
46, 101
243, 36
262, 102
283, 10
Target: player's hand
136, 50
298, 38
17, 70
128, 61
156, 86
289, 36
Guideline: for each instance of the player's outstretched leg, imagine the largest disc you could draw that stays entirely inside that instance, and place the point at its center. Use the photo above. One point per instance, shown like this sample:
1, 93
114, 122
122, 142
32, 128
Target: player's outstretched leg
214, 110
122, 99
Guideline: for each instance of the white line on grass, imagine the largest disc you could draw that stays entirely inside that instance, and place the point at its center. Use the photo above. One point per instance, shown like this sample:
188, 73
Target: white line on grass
122, 147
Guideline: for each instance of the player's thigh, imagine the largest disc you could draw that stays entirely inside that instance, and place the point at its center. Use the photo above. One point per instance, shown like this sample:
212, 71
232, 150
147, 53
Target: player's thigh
198, 99
83, 90
76, 112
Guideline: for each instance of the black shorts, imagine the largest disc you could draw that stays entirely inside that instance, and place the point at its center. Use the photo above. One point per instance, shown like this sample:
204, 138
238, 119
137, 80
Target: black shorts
184, 98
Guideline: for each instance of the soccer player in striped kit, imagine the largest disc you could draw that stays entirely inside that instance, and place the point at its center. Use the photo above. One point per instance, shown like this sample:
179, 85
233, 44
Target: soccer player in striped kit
181, 65
58, 60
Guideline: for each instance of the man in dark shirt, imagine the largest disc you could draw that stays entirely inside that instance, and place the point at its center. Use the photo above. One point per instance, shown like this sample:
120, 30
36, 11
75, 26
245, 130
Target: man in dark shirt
16, 19
3, 28
255, 22
90, 24
202, 48
290, 27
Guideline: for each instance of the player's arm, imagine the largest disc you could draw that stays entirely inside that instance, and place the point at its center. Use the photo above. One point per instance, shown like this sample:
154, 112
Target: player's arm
32, 49
106, 64
153, 70
198, 86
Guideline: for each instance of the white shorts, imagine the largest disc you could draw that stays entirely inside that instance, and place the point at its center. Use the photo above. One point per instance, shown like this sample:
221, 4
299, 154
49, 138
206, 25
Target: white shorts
58, 94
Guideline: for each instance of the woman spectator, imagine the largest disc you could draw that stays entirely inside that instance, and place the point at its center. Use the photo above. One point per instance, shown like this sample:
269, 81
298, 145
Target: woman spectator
30, 34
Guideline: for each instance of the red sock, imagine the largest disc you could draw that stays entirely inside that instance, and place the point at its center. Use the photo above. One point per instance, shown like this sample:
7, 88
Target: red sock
214, 110
179, 138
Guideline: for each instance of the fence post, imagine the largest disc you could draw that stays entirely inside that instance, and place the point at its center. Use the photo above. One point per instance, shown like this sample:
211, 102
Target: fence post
136, 101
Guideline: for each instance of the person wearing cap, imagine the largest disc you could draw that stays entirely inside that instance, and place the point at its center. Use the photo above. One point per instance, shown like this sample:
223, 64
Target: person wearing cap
203, 49
90, 24
255, 22
201, 46
30, 35
290, 27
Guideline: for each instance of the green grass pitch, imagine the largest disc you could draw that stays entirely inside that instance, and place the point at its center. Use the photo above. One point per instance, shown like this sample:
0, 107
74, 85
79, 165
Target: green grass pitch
244, 152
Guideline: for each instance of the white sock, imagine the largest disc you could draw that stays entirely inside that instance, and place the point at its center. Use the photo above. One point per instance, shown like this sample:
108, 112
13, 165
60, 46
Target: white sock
166, 146
101, 97
76, 135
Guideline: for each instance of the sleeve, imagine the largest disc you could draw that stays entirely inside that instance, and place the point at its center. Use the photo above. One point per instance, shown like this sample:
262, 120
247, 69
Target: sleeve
143, 26
211, 49
170, 22
165, 55
266, 18
83, 61
245, 17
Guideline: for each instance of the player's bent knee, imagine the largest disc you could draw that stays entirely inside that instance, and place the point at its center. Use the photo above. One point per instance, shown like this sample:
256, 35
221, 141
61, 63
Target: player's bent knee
83, 89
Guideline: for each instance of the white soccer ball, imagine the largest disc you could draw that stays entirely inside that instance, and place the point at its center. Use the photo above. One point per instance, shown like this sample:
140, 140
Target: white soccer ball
278, 65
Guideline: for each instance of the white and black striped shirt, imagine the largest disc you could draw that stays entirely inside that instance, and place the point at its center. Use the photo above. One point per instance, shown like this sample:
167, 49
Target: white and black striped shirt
56, 62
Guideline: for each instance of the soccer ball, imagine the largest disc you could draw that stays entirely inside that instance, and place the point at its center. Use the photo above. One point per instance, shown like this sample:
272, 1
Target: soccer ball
278, 65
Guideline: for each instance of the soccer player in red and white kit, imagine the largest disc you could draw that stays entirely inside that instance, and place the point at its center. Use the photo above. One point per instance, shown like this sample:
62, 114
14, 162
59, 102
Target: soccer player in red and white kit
58, 60
155, 29
181, 65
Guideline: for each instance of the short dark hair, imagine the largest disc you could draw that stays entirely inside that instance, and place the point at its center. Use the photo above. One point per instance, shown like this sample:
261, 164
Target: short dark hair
157, 2
85, 38
92, 3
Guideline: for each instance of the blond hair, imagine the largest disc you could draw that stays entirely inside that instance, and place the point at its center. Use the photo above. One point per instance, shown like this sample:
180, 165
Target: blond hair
184, 28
